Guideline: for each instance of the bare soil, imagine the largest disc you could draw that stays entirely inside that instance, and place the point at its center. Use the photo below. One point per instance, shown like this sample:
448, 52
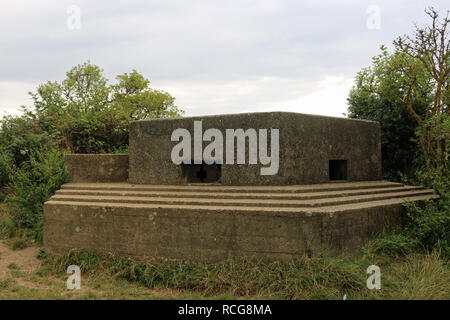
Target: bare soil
25, 259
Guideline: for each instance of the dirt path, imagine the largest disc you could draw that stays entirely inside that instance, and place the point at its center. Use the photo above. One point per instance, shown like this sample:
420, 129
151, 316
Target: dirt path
25, 259
28, 285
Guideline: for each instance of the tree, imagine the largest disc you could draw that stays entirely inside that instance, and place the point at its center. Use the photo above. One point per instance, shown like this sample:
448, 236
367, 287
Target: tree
376, 96
430, 45
87, 115
408, 91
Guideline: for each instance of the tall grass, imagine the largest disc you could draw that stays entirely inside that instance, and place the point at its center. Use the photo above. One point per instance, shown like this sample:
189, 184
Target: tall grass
414, 276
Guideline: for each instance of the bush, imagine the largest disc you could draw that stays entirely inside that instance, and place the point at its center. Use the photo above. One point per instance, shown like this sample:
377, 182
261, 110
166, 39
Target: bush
375, 96
7, 228
427, 229
437, 179
19, 243
20, 136
392, 244
6, 163
33, 183
88, 115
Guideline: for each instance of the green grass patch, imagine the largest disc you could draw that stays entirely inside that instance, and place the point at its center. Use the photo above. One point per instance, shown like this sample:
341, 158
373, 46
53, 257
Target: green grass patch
13, 266
413, 276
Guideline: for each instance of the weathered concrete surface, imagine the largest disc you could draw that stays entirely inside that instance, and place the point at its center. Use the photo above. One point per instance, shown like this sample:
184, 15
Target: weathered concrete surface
178, 225
307, 143
298, 211
97, 167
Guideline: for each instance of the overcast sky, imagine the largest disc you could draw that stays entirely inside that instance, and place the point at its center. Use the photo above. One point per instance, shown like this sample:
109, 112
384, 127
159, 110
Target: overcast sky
214, 57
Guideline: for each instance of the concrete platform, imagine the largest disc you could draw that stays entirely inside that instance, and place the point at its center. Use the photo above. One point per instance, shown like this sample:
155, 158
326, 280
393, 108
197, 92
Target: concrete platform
213, 222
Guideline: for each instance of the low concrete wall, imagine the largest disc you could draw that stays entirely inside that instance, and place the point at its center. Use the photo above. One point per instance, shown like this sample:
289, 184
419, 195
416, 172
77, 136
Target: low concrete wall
97, 167
210, 235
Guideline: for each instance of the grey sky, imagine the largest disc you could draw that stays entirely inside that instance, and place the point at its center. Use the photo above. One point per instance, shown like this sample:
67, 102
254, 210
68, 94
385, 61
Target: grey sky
212, 56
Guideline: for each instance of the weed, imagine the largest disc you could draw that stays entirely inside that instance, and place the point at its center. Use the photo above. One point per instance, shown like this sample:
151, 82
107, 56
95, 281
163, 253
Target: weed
320, 277
13, 266
18, 243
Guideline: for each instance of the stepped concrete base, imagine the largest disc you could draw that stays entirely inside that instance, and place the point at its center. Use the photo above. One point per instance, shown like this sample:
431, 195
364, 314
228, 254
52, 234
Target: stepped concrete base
211, 223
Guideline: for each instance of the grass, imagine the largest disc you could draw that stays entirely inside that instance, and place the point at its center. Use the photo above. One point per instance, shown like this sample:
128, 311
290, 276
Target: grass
15, 237
413, 276
23, 286
7, 227
13, 266
409, 275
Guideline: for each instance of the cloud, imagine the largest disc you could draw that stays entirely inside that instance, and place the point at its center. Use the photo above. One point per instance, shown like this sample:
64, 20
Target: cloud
13, 95
211, 55
324, 97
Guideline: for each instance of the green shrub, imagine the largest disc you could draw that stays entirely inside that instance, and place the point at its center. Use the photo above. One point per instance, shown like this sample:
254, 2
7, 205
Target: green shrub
21, 136
375, 96
7, 228
392, 244
436, 178
86, 114
429, 226
427, 229
33, 183
6, 163
18, 243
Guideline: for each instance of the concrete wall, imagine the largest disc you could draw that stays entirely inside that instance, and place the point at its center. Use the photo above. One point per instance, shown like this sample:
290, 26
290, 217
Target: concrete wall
307, 143
97, 167
210, 235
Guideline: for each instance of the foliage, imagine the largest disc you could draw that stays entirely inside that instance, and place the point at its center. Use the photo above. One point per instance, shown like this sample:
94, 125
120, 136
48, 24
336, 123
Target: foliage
430, 45
392, 244
427, 228
407, 91
238, 277
435, 178
87, 115
413, 80
32, 183
413, 276
20, 136
6, 161
7, 227
430, 226
376, 96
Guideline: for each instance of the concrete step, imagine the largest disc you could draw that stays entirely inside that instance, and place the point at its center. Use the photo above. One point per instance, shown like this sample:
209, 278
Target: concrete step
235, 195
255, 209
372, 204
335, 186
317, 202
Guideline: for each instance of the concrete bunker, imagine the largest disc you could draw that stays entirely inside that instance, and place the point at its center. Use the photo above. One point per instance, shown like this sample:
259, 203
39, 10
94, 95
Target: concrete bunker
306, 143
326, 196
